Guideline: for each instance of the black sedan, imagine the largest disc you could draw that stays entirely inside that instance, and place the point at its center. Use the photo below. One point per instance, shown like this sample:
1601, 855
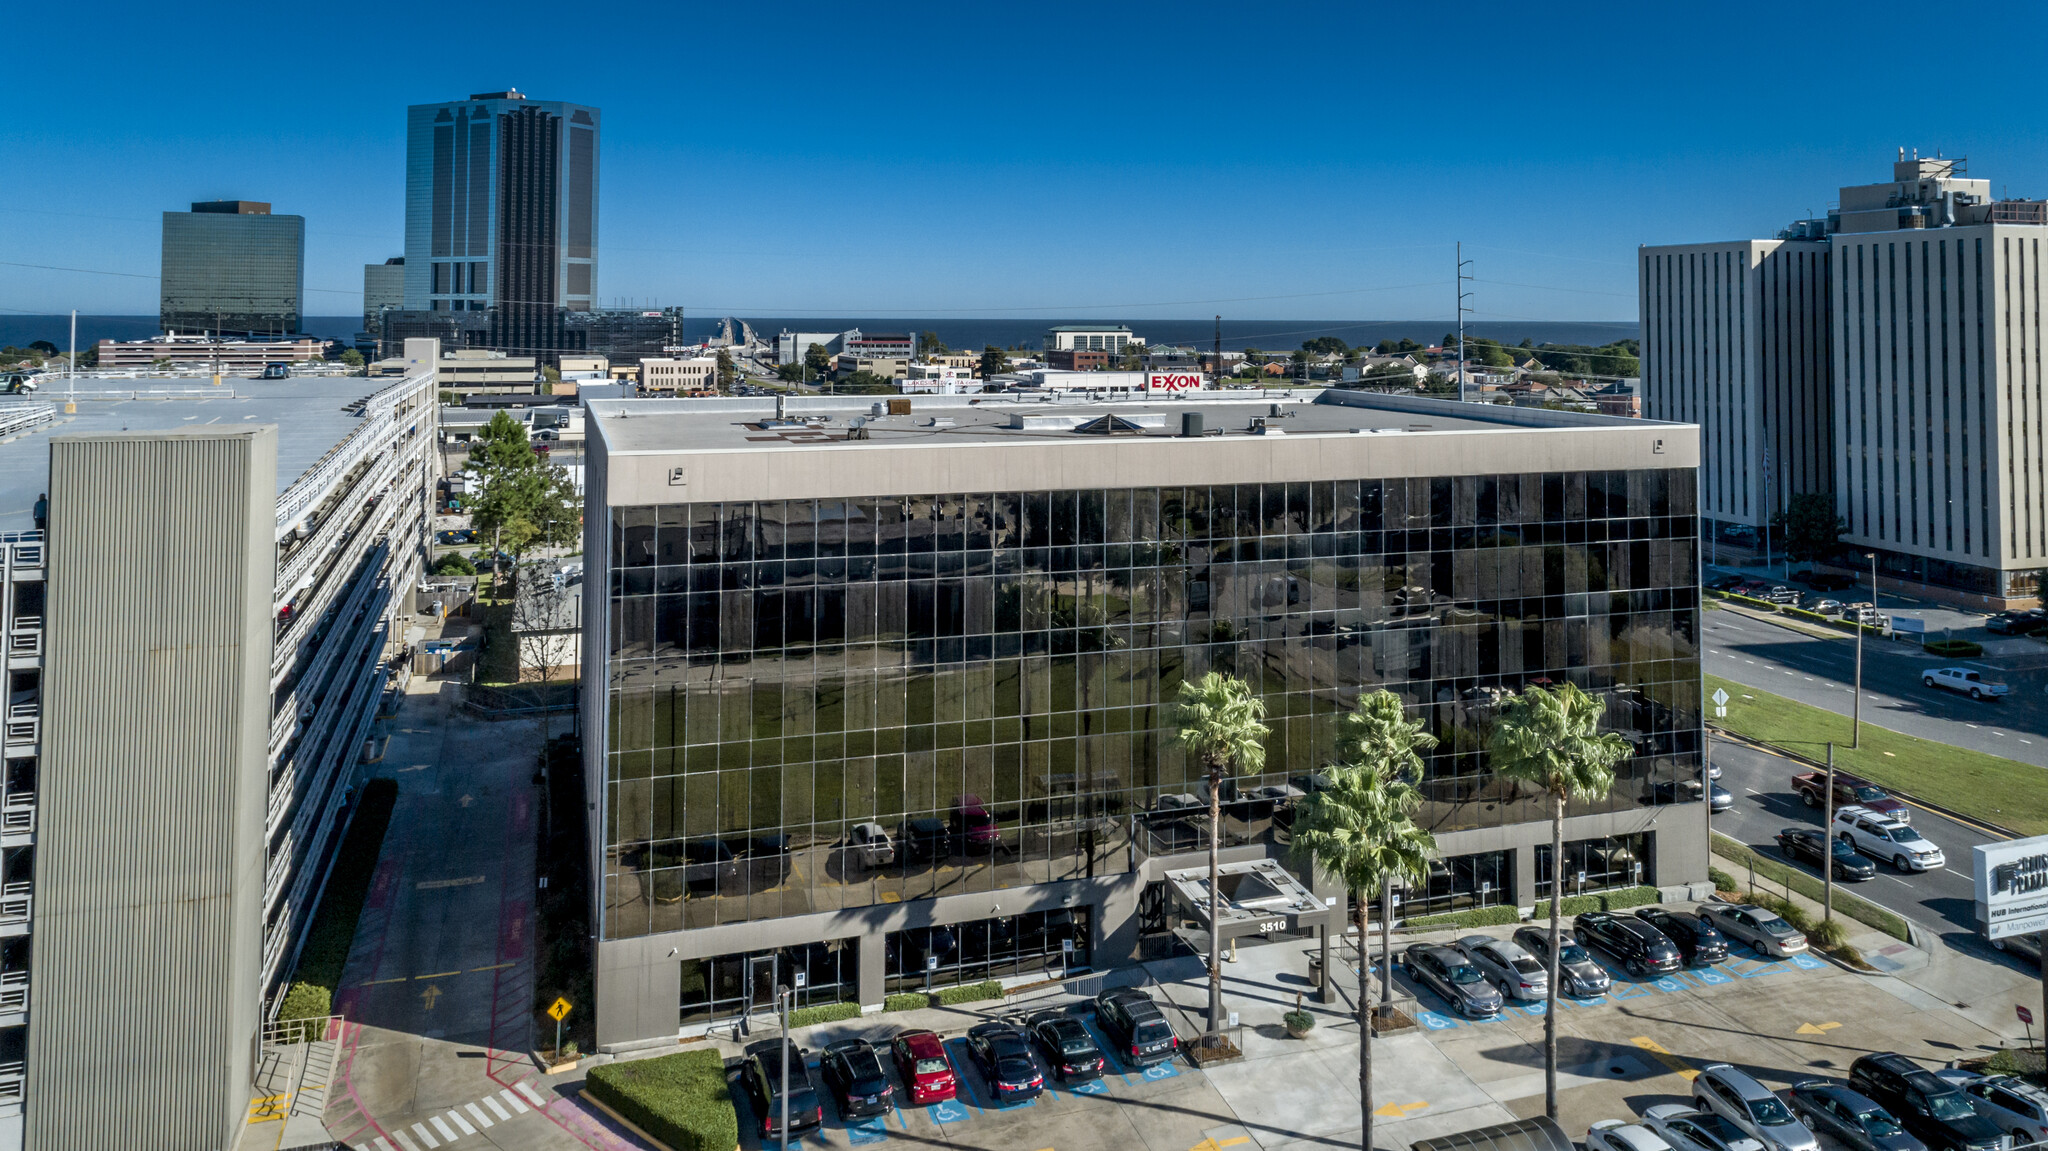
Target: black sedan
1828, 1108
1805, 844
853, 1070
1068, 1048
1005, 1061
1641, 948
1695, 939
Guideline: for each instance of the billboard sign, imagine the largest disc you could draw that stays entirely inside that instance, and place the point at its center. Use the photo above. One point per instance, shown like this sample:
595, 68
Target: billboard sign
2012, 886
1173, 383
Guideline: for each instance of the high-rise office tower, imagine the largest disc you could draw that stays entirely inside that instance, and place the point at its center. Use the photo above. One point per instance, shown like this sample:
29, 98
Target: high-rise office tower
383, 290
231, 266
501, 212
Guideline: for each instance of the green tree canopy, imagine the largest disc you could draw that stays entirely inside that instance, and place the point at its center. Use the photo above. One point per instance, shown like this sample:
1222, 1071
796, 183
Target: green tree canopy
994, 361
1808, 529
929, 343
817, 360
524, 501
727, 374
1325, 346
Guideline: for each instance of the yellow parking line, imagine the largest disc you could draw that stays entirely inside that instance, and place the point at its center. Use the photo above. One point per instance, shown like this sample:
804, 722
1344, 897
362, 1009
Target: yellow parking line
440, 974
492, 967
1669, 1060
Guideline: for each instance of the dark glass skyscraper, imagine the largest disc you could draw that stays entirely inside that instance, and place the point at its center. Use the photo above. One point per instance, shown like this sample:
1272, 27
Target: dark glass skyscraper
501, 213
230, 266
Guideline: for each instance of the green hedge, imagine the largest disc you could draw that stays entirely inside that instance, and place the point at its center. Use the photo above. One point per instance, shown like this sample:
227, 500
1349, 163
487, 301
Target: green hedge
1477, 917
680, 1099
1604, 901
1953, 648
1722, 880
823, 1013
318, 976
907, 1001
969, 993
1855, 907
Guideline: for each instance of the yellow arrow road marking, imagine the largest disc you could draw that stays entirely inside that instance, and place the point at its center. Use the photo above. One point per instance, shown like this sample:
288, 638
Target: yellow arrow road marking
430, 995
1214, 1144
1816, 1028
1665, 1057
1397, 1110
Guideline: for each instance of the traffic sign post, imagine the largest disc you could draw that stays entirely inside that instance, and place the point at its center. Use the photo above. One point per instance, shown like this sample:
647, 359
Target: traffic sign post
558, 1011
2026, 1020
1720, 698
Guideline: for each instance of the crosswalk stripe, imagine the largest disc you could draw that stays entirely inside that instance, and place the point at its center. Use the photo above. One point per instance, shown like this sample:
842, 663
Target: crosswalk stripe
446, 1132
526, 1089
382, 1144
479, 1113
461, 1122
403, 1141
491, 1101
514, 1101
426, 1136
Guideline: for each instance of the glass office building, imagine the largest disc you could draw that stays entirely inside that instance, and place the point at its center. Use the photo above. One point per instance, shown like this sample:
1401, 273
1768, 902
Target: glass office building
981, 675
230, 267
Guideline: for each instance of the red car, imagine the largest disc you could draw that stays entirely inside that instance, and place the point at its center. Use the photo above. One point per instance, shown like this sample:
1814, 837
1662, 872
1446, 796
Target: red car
974, 825
921, 1061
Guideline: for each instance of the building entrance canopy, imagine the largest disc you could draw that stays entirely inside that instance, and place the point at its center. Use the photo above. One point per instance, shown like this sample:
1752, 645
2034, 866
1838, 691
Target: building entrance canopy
1259, 897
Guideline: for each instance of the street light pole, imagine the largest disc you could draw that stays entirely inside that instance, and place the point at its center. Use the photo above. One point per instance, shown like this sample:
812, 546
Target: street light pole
1827, 843
782, 1001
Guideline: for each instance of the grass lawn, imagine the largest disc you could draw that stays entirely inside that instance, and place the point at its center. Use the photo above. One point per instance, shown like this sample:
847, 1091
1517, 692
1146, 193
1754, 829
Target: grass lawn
2002, 791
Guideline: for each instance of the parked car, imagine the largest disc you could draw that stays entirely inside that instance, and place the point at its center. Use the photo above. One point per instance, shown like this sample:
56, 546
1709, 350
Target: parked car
1725, 583
922, 1065
1867, 616
2017, 622
1174, 805
1173, 837
1850, 790
1887, 839
1851, 1119
1129, 1019
764, 859
853, 1072
1962, 679
1268, 801
1766, 932
1621, 1135
1735, 1095
1640, 947
761, 1077
1931, 1108
1577, 974
1068, 1048
1696, 939
709, 866
2026, 946
2019, 1108
1719, 799
1510, 968
1787, 596
925, 839
1822, 605
1454, 977
1808, 843
870, 846
1686, 1129
974, 825
1004, 1057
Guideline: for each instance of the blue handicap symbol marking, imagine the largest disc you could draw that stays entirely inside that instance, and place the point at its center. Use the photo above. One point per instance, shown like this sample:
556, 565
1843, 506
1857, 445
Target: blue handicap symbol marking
1709, 975
1627, 991
948, 1111
1808, 962
1162, 1071
1670, 983
1537, 1008
1762, 969
873, 1130
1435, 1022
1091, 1087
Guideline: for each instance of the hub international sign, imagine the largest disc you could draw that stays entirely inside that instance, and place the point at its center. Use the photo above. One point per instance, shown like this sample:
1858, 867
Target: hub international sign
2012, 886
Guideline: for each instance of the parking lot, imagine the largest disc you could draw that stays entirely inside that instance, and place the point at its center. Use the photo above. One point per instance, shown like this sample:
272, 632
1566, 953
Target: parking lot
1640, 1045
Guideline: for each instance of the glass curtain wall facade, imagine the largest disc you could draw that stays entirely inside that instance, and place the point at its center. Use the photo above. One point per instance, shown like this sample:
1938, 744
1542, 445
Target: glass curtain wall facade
984, 675
235, 273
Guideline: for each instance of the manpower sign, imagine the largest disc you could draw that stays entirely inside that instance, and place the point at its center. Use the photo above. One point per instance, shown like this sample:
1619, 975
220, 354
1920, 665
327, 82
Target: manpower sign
2012, 886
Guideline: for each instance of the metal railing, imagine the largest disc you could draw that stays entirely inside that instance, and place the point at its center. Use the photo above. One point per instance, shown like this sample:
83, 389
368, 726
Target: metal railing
14, 991
25, 637
11, 1080
24, 722
18, 812
29, 555
311, 486
21, 417
377, 480
14, 901
312, 679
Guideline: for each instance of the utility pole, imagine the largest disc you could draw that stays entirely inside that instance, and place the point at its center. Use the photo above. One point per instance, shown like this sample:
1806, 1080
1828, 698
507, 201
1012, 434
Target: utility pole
1217, 362
1827, 843
1463, 295
782, 996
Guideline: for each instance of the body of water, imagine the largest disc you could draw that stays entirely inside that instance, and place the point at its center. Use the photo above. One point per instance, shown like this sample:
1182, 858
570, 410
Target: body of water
955, 332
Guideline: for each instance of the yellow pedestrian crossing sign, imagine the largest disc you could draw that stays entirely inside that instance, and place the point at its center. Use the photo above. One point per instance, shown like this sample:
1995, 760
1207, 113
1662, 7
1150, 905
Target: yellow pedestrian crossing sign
558, 1009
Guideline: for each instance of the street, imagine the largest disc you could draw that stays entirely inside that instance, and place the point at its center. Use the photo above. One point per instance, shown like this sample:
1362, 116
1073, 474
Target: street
1822, 672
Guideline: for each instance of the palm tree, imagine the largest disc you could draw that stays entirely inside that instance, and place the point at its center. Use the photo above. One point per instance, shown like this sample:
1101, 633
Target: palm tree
1359, 829
1550, 738
1217, 719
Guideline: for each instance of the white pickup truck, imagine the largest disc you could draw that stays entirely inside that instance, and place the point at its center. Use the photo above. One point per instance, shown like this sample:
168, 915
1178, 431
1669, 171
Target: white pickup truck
1964, 680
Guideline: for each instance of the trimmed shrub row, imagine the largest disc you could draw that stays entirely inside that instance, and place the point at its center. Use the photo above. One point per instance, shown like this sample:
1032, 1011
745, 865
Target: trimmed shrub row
823, 1013
1855, 907
680, 1099
1477, 917
1722, 880
906, 1001
968, 993
1795, 612
1953, 648
1605, 901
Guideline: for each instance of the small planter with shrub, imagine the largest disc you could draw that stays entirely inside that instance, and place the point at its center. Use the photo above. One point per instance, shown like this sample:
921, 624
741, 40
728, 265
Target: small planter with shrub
1298, 1022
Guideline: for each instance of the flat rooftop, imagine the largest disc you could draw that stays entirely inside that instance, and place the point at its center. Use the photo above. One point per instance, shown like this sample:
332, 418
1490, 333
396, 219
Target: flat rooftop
750, 424
311, 413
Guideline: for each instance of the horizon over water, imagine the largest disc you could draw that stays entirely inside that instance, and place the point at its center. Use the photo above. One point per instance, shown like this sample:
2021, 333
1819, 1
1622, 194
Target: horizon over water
956, 332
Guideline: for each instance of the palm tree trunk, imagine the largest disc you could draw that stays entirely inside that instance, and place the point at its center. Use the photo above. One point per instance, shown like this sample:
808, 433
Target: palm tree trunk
1215, 907
1386, 944
1365, 1013
1550, 993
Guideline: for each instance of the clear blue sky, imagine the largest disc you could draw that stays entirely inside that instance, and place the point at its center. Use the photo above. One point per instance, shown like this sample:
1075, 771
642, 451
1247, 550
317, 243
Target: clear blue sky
1130, 159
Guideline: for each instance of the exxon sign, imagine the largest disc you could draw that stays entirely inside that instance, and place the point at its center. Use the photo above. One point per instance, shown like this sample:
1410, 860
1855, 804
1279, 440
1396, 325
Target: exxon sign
1173, 383
2012, 886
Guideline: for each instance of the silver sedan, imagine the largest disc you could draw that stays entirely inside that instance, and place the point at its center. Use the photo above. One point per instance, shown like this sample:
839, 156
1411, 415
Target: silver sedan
1507, 966
1766, 931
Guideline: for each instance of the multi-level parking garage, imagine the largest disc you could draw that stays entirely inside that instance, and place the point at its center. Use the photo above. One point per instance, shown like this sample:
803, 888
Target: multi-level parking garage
203, 587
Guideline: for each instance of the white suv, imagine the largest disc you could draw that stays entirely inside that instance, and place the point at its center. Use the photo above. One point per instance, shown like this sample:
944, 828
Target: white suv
1882, 837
